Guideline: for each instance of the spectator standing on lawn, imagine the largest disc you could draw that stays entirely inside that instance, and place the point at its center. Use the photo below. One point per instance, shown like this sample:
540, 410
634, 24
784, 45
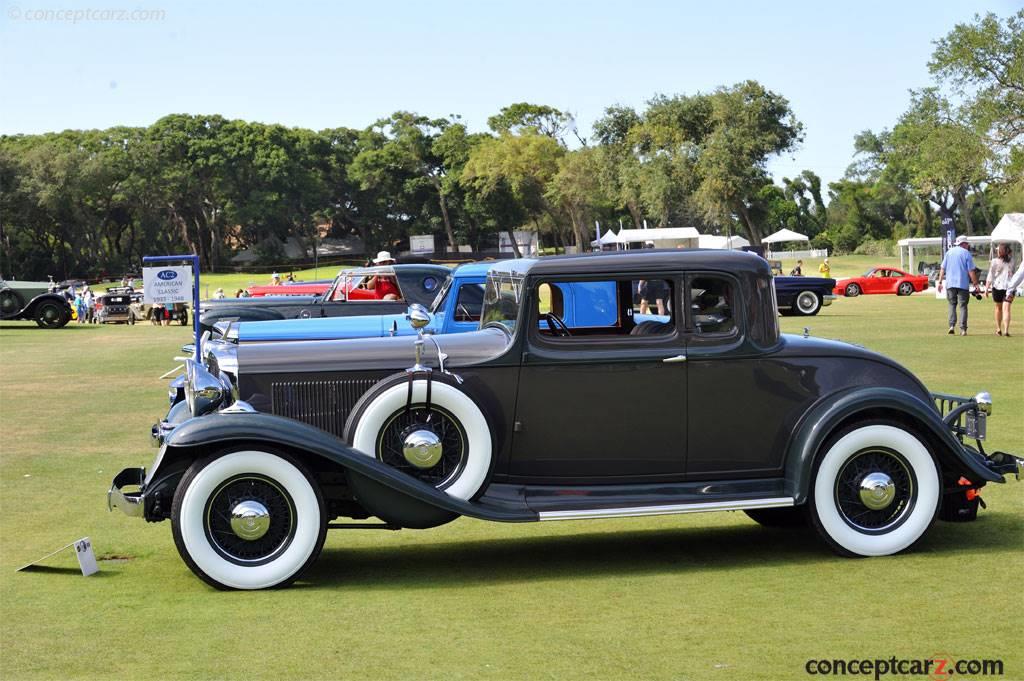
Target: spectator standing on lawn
797, 271
824, 269
957, 270
1016, 281
999, 272
80, 308
90, 305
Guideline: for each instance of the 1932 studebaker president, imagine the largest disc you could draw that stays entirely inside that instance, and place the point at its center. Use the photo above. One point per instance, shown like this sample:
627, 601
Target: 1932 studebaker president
532, 418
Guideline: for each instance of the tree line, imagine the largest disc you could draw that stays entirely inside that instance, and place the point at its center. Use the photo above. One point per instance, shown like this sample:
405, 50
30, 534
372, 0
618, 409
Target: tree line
82, 202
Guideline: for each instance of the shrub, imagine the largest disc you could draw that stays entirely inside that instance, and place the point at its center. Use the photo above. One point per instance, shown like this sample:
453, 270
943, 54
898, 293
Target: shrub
877, 247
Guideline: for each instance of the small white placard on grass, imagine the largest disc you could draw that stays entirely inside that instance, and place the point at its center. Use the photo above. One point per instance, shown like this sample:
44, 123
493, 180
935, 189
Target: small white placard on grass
83, 551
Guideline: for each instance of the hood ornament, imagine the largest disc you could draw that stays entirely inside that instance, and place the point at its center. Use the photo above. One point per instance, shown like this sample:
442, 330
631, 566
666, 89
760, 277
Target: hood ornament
807, 331
418, 317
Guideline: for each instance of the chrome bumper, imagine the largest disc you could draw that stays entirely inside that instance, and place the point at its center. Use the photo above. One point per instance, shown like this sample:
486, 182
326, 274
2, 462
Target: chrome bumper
1006, 464
827, 299
130, 503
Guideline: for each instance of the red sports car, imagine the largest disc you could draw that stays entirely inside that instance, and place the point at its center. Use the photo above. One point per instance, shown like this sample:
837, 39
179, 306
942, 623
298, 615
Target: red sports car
882, 280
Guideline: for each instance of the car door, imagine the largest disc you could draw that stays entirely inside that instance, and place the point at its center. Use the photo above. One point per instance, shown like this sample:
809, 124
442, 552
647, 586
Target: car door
462, 306
606, 403
741, 405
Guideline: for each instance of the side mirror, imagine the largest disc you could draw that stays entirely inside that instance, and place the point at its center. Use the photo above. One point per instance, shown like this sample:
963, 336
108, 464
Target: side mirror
418, 316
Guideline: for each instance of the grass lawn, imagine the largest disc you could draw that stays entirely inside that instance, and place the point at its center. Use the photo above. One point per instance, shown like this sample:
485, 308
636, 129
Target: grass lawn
710, 596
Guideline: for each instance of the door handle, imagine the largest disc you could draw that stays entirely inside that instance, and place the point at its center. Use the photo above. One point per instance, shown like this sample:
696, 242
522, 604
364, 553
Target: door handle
674, 360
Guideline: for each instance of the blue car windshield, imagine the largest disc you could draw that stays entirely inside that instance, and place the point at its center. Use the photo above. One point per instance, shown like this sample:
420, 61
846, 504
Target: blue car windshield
502, 295
439, 300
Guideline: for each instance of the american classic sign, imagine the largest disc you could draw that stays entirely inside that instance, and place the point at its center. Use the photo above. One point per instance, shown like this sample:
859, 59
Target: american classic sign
164, 285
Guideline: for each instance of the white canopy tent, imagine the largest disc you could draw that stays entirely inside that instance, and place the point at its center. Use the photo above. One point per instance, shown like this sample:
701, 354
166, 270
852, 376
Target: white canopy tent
932, 242
784, 235
665, 237
607, 239
1009, 229
734, 242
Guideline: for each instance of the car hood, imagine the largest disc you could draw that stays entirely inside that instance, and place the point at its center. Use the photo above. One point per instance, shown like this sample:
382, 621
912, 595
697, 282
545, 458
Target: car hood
258, 300
322, 328
394, 353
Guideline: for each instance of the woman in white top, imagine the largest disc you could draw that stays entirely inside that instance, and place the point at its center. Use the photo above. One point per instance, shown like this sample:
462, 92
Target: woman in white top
997, 281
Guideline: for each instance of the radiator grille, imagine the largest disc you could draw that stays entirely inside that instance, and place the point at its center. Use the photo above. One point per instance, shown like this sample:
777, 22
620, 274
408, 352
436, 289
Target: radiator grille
324, 404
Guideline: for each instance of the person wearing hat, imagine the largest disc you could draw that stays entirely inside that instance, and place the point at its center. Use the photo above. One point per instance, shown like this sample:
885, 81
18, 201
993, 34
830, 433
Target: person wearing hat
957, 270
219, 293
383, 285
824, 269
275, 279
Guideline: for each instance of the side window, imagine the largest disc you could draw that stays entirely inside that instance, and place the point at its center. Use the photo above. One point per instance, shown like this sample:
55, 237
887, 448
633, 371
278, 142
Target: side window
711, 305
600, 310
469, 303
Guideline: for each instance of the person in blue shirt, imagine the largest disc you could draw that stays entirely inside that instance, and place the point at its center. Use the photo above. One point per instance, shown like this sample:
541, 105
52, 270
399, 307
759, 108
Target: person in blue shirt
958, 272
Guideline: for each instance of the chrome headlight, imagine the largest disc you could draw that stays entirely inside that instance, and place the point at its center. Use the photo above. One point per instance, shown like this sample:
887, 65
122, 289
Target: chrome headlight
203, 391
984, 401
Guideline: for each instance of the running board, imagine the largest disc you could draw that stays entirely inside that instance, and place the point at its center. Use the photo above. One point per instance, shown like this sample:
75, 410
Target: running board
668, 509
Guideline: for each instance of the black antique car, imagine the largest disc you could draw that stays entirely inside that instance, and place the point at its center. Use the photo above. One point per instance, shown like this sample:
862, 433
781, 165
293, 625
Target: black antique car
347, 296
34, 300
118, 305
803, 296
533, 418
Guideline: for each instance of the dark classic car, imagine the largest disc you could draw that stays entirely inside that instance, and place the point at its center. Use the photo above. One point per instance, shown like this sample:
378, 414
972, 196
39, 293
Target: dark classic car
347, 296
803, 295
536, 418
118, 305
34, 300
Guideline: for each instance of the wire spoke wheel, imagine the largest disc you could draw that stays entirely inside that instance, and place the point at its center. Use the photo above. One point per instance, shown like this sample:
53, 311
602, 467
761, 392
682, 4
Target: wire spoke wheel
439, 421
250, 519
875, 491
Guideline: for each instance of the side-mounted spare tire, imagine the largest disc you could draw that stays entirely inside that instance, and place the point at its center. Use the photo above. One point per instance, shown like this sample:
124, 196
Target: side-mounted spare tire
445, 443
10, 303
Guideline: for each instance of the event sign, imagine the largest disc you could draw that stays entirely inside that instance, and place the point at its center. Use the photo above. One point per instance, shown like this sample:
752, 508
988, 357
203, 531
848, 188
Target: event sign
165, 285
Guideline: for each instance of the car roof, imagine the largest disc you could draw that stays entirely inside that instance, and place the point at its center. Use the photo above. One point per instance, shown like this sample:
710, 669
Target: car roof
480, 268
647, 259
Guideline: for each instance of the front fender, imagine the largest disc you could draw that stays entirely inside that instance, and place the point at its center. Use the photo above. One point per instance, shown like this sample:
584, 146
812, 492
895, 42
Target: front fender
224, 428
823, 419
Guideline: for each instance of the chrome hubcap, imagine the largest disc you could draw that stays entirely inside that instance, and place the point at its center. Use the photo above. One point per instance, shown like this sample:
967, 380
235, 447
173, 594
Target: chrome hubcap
250, 520
877, 491
422, 448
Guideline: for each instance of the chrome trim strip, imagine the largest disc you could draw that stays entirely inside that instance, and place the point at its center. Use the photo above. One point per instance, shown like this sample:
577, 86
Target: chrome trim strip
668, 509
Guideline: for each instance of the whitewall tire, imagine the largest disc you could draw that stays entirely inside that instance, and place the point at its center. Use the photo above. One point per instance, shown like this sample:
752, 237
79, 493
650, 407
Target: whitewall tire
380, 426
807, 303
875, 492
248, 519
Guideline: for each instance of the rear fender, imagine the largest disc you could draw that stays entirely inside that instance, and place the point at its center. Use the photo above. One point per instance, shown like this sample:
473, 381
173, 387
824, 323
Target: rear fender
194, 437
876, 402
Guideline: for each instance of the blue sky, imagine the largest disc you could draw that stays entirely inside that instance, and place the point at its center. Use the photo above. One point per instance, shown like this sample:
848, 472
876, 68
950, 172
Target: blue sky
844, 66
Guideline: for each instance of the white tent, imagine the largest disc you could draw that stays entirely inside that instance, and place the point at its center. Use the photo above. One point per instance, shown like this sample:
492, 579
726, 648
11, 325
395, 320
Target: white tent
734, 242
665, 237
1010, 228
783, 235
606, 240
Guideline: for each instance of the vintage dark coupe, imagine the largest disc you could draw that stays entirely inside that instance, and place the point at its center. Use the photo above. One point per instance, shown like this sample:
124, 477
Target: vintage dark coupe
37, 301
347, 296
535, 418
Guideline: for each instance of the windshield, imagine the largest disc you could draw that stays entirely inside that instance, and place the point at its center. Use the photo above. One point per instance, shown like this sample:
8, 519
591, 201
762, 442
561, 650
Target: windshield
438, 304
501, 300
